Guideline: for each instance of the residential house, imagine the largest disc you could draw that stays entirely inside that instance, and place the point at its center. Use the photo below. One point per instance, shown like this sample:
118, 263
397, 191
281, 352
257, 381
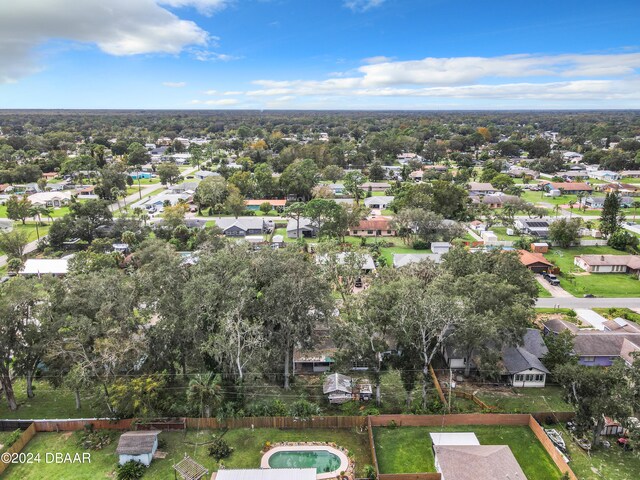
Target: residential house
626, 190
518, 172
606, 175
522, 366
45, 266
141, 175
368, 265
476, 462
440, 248
403, 259
338, 388
373, 227
158, 202
381, 202
184, 187
321, 357
569, 187
598, 348
572, 157
493, 200
138, 446
276, 204
243, 226
304, 228
480, 188
336, 188
50, 199
266, 474
630, 173
536, 227
375, 186
534, 261
417, 175
573, 175
522, 363
608, 263
202, 174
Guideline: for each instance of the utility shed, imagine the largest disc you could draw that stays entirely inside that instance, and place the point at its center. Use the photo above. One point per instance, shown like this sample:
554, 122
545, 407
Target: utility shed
137, 446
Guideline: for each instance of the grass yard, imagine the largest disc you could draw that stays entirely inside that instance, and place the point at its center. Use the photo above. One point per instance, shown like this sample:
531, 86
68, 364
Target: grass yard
600, 285
408, 449
48, 402
610, 464
55, 212
543, 292
526, 400
247, 445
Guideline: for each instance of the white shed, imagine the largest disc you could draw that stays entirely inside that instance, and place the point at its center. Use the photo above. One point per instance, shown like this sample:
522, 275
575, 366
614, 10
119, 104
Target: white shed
137, 446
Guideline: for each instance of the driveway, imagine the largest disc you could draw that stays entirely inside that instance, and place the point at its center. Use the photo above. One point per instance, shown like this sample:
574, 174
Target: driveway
555, 291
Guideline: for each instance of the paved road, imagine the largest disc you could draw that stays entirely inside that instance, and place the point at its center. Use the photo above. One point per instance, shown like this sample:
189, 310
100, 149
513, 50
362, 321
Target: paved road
575, 302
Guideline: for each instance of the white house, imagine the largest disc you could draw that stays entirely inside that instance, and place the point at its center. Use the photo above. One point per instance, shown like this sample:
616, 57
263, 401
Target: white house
50, 199
606, 175
45, 266
379, 203
608, 263
138, 446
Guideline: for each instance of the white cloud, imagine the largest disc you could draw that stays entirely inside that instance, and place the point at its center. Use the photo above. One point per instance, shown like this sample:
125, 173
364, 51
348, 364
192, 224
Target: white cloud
174, 84
221, 102
233, 92
210, 92
517, 77
206, 7
377, 59
209, 56
117, 27
362, 5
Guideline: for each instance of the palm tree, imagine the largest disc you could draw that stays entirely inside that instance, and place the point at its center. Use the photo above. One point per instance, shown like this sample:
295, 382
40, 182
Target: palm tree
115, 193
635, 206
580, 196
556, 210
571, 204
205, 390
37, 211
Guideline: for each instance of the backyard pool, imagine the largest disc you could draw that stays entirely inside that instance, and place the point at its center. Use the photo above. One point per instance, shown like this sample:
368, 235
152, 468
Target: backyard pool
321, 460
327, 461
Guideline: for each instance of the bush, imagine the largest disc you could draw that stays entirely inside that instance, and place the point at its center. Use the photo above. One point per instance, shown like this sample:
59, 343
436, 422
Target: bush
219, 449
304, 408
92, 439
420, 245
131, 470
369, 472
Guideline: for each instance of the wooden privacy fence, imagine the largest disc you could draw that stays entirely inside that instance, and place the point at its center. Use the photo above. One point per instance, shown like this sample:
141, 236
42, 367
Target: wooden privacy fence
278, 422
74, 425
548, 445
448, 420
26, 436
474, 399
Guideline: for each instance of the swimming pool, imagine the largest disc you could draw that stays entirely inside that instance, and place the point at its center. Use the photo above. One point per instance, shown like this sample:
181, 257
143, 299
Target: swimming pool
322, 460
327, 461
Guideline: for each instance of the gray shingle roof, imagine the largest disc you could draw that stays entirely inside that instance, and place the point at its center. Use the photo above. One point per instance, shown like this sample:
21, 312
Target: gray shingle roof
137, 443
517, 359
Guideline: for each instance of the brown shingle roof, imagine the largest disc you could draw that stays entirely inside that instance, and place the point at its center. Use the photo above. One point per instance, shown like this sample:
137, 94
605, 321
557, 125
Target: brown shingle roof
137, 443
478, 462
531, 258
374, 224
572, 186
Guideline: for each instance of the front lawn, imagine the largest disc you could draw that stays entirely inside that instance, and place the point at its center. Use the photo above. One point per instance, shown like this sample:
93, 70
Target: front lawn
525, 400
408, 449
543, 292
578, 282
247, 444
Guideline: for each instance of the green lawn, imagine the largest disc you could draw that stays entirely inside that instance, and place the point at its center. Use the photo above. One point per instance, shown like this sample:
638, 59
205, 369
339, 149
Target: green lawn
408, 449
610, 464
247, 444
48, 402
31, 231
543, 292
55, 212
526, 400
578, 283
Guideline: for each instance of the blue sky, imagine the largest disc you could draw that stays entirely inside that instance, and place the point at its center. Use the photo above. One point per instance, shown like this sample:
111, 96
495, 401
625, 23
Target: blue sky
319, 54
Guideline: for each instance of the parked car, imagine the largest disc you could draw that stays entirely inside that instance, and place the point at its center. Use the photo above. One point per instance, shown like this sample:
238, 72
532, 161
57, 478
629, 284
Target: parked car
551, 278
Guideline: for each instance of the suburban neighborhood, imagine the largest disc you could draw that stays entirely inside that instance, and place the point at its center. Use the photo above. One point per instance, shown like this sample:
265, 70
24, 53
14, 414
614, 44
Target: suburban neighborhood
338, 240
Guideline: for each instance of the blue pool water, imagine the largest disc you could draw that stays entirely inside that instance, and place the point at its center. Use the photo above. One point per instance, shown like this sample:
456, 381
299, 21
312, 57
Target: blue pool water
321, 460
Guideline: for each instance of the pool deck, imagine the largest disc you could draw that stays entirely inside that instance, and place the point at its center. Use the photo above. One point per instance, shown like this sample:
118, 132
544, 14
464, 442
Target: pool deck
344, 461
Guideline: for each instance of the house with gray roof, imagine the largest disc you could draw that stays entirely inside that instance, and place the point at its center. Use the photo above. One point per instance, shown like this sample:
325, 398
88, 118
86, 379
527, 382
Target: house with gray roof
338, 388
304, 229
243, 226
476, 462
